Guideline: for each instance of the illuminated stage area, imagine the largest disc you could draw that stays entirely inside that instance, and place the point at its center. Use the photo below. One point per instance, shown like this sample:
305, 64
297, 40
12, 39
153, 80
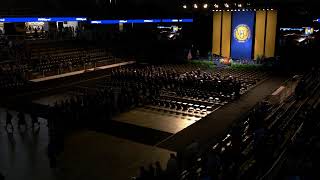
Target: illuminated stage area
244, 34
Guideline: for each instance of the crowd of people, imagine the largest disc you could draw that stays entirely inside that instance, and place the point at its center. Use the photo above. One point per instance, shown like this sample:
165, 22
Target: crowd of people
65, 32
11, 76
21, 122
92, 109
252, 145
156, 172
197, 80
303, 157
125, 89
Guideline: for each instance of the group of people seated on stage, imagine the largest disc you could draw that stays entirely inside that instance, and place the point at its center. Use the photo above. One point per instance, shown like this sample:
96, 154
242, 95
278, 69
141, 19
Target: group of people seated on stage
253, 145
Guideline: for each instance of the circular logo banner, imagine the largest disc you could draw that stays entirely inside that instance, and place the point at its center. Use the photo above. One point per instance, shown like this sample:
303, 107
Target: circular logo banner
242, 33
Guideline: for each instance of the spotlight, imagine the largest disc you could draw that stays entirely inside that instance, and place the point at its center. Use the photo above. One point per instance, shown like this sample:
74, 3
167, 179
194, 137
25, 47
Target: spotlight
243, 10
216, 5
226, 5
195, 6
239, 5
184, 6
205, 6
271, 9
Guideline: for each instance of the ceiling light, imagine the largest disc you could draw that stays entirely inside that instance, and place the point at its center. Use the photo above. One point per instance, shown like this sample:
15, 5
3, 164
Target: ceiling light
195, 6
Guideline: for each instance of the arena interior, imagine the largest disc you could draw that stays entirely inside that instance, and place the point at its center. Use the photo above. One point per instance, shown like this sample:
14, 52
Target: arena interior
159, 90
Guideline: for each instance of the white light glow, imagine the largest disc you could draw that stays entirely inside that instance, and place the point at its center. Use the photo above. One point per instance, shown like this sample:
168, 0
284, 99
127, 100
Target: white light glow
195, 6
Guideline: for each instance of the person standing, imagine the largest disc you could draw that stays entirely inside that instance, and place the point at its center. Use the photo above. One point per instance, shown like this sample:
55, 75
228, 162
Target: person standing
143, 174
34, 120
151, 172
158, 171
172, 167
9, 121
22, 120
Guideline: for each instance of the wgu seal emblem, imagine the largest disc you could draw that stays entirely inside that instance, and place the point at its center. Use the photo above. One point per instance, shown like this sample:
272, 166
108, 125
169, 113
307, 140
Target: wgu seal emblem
242, 33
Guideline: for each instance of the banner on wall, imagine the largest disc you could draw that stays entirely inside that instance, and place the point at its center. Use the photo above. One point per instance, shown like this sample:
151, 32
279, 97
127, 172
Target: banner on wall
242, 35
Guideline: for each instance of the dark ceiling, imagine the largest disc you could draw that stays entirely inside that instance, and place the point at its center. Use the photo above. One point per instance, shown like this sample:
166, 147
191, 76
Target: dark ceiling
294, 10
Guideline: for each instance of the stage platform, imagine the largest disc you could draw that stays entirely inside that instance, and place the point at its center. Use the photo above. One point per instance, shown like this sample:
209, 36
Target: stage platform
82, 71
214, 125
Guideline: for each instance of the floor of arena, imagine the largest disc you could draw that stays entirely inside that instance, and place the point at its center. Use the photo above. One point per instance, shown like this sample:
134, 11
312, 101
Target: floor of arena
26, 153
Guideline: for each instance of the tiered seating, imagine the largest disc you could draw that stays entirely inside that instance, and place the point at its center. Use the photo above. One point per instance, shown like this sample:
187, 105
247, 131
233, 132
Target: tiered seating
252, 145
57, 58
11, 76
